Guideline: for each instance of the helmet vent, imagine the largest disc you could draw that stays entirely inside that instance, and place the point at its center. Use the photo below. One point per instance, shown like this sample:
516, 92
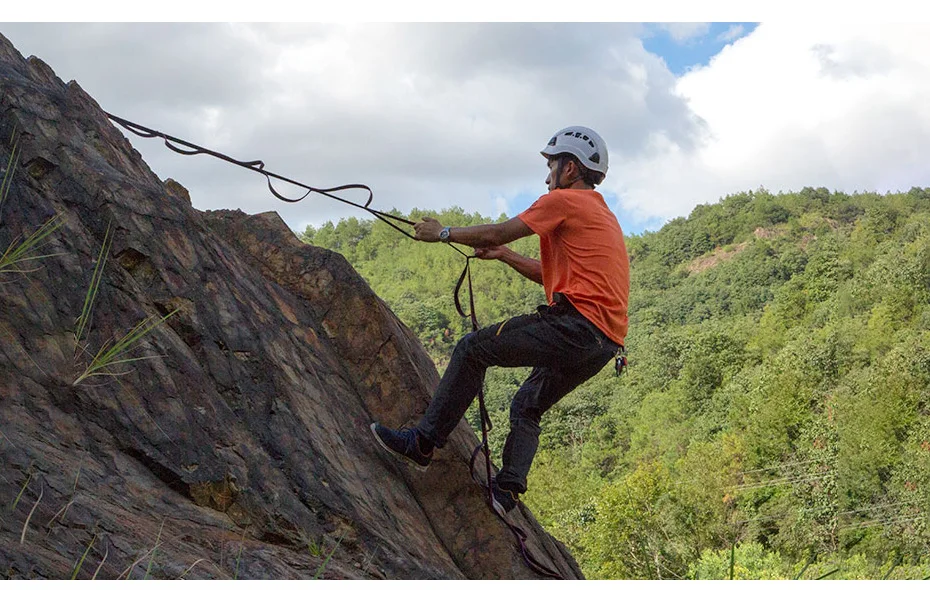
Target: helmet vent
552, 141
595, 157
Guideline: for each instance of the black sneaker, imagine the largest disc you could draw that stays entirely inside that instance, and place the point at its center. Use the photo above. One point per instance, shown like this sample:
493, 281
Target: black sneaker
504, 500
403, 443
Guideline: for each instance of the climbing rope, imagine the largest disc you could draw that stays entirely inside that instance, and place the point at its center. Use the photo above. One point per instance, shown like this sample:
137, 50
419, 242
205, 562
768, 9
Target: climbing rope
258, 166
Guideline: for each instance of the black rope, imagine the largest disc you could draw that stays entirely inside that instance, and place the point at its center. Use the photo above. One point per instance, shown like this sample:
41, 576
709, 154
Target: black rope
258, 166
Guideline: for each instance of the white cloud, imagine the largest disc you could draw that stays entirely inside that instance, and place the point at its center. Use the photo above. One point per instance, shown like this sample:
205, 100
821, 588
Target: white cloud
433, 116
733, 32
682, 32
792, 105
428, 115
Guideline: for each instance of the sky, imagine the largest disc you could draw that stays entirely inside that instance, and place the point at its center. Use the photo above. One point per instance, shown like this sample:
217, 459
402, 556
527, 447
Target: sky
437, 115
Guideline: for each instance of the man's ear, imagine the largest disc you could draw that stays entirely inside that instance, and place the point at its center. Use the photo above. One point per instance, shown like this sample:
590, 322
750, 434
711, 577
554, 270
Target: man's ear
571, 169
575, 170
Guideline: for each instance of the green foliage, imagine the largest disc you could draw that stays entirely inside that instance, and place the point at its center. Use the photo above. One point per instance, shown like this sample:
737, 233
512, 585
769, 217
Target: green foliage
751, 561
775, 402
629, 537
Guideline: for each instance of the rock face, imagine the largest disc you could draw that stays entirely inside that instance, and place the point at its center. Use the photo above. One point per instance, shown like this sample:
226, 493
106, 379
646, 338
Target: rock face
240, 447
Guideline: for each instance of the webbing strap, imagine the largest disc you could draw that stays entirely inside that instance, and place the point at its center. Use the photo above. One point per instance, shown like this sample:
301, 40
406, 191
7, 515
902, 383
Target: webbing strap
486, 426
518, 533
466, 274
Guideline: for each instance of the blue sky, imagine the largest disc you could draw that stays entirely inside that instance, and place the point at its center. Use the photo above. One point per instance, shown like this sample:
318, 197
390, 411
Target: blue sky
684, 53
682, 46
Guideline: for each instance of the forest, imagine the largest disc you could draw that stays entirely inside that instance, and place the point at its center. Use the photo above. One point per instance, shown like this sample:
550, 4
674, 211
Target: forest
774, 420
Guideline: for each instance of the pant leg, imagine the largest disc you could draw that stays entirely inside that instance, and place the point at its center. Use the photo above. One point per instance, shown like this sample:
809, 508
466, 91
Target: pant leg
541, 339
541, 390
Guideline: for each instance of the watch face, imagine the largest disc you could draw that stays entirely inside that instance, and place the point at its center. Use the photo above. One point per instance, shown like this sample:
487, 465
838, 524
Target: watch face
444, 234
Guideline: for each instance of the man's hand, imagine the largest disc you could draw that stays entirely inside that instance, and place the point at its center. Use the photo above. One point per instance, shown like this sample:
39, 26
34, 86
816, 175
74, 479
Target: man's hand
427, 230
493, 253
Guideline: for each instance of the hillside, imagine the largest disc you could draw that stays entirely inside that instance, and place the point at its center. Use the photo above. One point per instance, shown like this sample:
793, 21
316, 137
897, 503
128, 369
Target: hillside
777, 400
228, 436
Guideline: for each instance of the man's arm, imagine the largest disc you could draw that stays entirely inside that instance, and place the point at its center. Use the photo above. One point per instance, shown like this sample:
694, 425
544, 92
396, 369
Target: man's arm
488, 241
528, 267
476, 236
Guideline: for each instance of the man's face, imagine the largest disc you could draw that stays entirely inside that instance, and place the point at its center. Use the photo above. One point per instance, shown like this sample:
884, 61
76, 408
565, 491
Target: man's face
551, 180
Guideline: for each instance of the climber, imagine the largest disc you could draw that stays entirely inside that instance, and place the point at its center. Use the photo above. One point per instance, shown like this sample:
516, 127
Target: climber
584, 271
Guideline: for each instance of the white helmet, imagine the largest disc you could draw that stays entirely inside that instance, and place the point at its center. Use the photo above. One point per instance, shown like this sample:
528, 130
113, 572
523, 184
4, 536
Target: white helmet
581, 142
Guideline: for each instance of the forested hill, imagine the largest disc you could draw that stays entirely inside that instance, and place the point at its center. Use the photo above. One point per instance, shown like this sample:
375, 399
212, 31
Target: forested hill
776, 402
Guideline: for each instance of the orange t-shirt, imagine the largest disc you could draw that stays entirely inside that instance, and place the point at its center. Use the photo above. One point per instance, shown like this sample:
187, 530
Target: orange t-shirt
583, 256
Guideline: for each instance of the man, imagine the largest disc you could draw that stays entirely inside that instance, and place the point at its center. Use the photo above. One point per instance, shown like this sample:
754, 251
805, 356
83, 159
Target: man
584, 270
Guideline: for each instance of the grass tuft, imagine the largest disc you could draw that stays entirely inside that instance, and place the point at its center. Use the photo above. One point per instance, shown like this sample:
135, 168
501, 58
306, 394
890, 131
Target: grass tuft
19, 252
111, 356
95, 279
21, 492
152, 557
322, 568
8, 174
77, 568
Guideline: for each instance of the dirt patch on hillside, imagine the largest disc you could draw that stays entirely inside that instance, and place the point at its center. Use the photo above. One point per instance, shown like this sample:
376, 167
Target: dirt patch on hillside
712, 259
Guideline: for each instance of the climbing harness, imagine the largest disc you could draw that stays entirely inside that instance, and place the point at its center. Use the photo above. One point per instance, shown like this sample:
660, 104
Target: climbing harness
192, 149
620, 362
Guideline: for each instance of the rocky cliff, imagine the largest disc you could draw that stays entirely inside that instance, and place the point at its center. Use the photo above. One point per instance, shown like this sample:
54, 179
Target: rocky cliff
238, 448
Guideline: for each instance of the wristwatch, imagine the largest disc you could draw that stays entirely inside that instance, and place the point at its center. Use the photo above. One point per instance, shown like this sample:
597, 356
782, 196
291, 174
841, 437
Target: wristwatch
444, 234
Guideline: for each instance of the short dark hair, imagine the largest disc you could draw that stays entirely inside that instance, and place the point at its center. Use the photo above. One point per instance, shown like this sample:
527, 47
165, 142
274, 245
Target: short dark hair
588, 176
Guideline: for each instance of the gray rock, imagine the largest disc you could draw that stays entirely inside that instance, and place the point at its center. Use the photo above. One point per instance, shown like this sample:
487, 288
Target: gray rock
240, 448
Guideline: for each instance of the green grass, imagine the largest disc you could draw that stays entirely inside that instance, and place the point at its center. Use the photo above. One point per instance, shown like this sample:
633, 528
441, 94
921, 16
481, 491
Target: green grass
152, 556
21, 251
8, 174
319, 572
314, 548
21, 492
91, 296
77, 568
239, 555
111, 356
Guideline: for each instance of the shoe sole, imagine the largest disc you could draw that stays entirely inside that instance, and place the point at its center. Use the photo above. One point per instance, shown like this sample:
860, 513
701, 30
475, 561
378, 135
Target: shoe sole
412, 463
496, 506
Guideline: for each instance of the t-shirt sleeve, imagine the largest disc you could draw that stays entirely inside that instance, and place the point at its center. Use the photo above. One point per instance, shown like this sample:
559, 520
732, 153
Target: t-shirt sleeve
546, 214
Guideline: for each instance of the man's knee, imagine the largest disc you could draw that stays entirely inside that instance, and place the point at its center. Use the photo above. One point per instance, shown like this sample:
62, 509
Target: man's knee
472, 349
465, 347
522, 414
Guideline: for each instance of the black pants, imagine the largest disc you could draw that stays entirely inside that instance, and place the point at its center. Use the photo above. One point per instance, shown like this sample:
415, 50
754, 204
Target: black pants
564, 349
